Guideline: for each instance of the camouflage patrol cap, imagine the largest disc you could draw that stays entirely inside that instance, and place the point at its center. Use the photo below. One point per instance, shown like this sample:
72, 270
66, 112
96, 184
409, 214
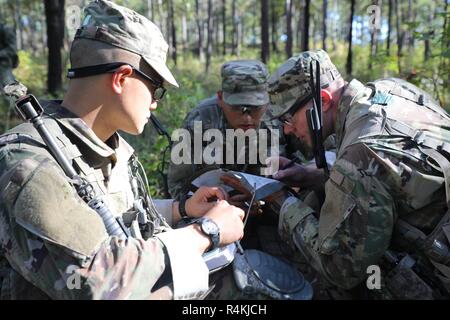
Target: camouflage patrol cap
125, 29
244, 82
290, 83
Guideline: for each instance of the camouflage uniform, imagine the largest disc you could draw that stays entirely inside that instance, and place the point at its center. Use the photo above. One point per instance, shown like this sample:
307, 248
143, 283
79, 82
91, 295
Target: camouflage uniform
53, 245
243, 83
386, 199
8, 55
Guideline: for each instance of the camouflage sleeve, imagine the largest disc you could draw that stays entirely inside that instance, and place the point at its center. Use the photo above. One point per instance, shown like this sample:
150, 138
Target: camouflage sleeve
59, 245
355, 224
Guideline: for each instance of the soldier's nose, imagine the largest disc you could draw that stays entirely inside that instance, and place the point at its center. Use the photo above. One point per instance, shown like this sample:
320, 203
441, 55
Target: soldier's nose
153, 106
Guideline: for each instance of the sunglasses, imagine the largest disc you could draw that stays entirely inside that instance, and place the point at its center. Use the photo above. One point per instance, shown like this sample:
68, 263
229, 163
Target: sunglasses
246, 109
158, 92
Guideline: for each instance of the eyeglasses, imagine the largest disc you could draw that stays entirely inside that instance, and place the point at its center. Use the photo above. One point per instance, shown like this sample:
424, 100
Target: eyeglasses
252, 110
159, 91
286, 118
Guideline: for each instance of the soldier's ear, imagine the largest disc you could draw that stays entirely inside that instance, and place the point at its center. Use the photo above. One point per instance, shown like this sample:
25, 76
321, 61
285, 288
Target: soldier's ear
118, 78
326, 99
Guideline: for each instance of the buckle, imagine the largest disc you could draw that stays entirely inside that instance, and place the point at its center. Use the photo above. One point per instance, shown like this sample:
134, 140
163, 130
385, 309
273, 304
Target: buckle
419, 136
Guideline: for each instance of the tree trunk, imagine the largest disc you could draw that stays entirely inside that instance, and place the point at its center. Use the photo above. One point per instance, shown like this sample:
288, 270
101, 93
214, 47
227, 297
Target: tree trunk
373, 40
255, 21
305, 38
410, 30
445, 47
216, 23
427, 52
189, 31
161, 17
209, 39
173, 30
361, 21
388, 39
18, 11
149, 10
293, 19
265, 46
199, 21
348, 65
299, 29
43, 34
373, 43
335, 25
168, 34
289, 28
241, 33
54, 13
235, 37
273, 15
324, 25
400, 35
312, 32
184, 31
224, 26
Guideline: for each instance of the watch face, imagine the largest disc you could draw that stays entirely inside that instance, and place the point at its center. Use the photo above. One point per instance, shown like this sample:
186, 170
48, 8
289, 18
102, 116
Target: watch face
209, 227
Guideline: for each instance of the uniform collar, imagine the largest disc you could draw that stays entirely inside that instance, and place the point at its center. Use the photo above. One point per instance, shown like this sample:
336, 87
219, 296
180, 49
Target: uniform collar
352, 90
115, 146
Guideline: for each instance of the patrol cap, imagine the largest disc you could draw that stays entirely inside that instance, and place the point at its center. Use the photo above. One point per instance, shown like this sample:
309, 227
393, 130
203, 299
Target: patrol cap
244, 82
133, 36
290, 83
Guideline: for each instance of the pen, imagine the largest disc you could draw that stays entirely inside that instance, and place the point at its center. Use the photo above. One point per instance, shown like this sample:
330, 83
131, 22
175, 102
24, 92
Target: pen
290, 163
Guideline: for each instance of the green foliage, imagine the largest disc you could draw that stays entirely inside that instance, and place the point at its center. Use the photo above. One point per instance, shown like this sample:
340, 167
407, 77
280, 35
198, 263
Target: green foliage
32, 71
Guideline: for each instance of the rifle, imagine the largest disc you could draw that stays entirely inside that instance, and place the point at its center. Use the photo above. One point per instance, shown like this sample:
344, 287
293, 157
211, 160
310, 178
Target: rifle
29, 108
314, 118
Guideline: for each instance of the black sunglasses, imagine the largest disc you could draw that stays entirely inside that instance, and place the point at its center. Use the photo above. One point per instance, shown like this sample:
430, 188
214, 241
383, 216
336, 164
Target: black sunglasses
246, 108
158, 93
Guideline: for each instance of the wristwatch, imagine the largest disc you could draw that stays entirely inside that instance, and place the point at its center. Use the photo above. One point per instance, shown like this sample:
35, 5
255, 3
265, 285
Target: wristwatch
209, 228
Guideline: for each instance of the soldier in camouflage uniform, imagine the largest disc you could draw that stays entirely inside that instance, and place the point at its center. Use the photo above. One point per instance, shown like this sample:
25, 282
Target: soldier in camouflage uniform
240, 104
387, 195
52, 244
8, 55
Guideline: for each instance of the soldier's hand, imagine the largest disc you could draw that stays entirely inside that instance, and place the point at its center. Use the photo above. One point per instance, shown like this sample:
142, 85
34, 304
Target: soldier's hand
244, 196
229, 220
203, 200
296, 175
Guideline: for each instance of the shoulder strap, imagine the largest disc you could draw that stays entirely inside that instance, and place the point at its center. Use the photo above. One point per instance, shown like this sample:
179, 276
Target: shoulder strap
408, 91
26, 134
